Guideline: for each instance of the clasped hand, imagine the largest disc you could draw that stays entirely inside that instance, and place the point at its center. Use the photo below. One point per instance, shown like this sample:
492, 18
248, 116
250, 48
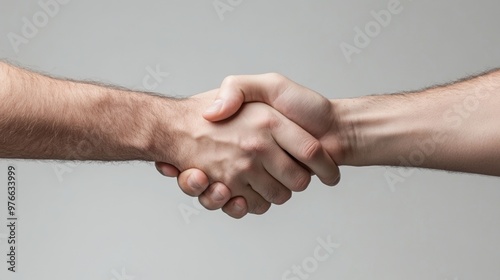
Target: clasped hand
243, 157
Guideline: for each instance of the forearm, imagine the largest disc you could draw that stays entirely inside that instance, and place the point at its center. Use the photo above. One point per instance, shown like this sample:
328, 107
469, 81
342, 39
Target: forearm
454, 127
47, 118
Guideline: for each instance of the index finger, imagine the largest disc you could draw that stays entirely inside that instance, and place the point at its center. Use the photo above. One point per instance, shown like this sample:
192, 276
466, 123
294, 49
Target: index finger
305, 148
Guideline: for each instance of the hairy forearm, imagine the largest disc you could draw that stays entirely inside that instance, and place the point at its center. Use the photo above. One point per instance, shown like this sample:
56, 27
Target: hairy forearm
453, 127
47, 118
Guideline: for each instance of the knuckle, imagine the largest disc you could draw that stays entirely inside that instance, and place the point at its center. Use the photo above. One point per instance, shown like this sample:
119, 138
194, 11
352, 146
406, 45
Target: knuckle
280, 81
276, 77
272, 122
265, 119
311, 150
254, 144
230, 80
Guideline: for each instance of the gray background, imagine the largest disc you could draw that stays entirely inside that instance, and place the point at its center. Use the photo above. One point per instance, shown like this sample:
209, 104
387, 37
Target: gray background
124, 221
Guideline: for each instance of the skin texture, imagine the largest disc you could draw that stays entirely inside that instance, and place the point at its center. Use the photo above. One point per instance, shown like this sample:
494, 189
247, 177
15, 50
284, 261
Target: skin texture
46, 118
449, 127
305, 107
249, 150
256, 152
240, 154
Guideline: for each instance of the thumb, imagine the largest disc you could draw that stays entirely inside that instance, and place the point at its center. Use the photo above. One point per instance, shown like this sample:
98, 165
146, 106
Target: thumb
227, 102
235, 90
167, 169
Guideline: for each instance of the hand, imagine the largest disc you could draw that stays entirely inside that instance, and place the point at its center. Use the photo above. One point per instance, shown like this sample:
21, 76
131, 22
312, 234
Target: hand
303, 106
246, 153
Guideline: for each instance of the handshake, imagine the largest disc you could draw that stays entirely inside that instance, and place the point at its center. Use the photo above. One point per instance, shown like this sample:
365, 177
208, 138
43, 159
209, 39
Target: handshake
256, 139
253, 141
263, 137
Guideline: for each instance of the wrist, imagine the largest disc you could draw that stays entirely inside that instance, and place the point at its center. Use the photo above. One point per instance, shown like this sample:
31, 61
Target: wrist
163, 126
180, 129
369, 129
364, 130
343, 132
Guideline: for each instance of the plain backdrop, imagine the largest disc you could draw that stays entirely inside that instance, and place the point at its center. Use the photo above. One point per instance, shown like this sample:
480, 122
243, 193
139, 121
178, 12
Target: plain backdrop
125, 221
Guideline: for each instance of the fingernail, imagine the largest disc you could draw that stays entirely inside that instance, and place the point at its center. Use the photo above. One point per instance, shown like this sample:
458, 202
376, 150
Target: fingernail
193, 183
159, 170
215, 107
336, 181
238, 207
217, 195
